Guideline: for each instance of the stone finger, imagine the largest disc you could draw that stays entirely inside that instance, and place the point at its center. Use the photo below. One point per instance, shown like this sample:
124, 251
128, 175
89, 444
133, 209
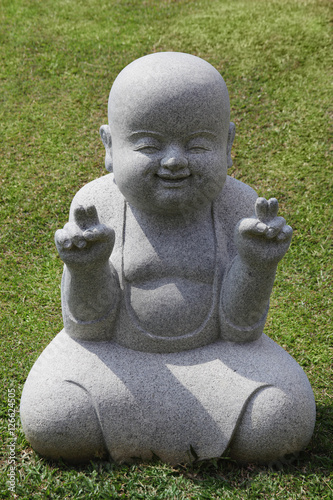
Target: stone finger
100, 232
252, 226
62, 239
273, 207
272, 232
86, 217
80, 217
79, 241
285, 233
75, 234
260, 228
91, 234
92, 215
261, 209
274, 227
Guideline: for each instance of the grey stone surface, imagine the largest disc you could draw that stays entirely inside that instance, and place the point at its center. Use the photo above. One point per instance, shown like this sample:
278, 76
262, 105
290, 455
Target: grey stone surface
84, 398
169, 266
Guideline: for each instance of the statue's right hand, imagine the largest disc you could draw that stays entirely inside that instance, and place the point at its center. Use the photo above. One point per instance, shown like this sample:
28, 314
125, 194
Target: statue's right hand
85, 242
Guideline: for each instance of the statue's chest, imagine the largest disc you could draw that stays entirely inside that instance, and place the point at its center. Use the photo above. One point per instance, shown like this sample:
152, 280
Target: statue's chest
152, 251
170, 273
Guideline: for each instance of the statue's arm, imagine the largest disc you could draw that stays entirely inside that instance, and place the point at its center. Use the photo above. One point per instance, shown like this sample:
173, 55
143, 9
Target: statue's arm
261, 242
90, 289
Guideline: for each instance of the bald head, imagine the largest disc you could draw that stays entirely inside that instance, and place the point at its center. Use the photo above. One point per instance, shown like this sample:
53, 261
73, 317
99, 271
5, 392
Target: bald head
169, 84
168, 140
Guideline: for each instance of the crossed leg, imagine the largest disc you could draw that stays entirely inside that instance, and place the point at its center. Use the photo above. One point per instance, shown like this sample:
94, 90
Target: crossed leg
272, 426
61, 422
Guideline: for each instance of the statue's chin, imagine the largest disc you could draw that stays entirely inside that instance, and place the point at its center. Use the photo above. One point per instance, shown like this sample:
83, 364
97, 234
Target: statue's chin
171, 207
174, 201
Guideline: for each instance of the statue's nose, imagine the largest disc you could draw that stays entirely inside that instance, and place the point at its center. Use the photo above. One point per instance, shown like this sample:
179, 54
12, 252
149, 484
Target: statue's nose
174, 161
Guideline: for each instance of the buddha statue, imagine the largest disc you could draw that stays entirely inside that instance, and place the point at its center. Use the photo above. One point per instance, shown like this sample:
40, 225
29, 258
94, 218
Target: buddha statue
169, 264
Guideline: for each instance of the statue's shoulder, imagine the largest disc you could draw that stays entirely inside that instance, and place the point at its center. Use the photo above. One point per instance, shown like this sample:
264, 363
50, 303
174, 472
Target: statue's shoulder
235, 201
104, 194
96, 191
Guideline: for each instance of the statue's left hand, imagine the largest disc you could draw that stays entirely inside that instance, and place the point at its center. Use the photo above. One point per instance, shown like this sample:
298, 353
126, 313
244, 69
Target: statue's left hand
265, 238
85, 242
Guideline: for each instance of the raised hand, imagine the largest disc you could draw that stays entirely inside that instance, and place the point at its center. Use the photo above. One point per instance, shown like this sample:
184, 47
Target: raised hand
265, 238
85, 242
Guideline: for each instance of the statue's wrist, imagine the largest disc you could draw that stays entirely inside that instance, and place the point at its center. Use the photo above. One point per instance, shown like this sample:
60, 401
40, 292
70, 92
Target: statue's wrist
88, 269
260, 268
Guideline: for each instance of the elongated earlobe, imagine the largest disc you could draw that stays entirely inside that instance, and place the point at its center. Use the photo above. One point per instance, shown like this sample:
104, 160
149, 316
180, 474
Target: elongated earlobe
106, 139
231, 137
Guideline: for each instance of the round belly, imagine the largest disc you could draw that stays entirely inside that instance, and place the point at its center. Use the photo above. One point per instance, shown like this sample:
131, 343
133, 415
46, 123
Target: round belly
170, 308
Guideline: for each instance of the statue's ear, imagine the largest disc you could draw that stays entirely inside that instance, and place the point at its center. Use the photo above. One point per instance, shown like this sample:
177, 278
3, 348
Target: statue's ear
106, 139
231, 137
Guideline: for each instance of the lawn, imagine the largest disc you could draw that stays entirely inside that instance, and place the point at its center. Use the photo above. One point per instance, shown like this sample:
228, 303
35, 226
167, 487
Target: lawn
58, 61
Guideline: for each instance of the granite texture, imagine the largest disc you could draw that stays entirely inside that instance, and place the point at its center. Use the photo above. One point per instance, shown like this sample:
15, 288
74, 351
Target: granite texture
83, 399
169, 266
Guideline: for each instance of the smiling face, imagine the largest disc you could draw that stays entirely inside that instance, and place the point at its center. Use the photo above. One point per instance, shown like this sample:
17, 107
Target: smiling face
169, 119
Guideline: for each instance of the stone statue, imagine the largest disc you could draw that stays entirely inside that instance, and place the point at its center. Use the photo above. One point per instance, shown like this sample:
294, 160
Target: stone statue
169, 266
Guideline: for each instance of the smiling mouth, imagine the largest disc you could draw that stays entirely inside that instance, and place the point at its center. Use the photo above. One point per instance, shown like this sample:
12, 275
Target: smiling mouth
173, 180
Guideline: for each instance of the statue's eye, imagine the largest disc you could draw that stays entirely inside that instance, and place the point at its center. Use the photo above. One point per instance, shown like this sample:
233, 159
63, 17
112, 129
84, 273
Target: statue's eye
198, 145
147, 145
197, 149
147, 148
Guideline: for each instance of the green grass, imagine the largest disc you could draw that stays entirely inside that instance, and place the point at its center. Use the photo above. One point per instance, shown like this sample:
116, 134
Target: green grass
58, 61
